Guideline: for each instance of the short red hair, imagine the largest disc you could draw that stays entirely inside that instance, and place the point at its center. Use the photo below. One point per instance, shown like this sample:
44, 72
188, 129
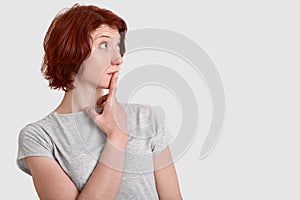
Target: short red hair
67, 42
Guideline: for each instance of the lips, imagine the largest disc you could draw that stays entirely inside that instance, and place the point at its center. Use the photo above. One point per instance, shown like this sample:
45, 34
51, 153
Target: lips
113, 69
112, 72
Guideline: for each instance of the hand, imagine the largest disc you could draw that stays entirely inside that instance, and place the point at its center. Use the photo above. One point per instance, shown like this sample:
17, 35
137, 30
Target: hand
113, 119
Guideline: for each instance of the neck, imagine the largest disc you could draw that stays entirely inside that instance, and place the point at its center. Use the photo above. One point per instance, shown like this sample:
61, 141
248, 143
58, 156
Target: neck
79, 98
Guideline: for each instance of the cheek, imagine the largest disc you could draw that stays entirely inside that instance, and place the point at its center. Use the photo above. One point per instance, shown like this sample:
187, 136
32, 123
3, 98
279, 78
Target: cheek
94, 67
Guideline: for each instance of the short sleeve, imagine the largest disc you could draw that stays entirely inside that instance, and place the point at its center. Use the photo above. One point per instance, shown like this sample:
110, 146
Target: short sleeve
162, 136
32, 141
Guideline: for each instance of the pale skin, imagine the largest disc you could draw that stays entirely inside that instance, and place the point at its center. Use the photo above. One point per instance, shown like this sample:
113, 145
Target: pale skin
51, 182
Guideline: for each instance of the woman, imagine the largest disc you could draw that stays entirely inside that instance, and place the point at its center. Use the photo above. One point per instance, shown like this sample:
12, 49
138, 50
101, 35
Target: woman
91, 146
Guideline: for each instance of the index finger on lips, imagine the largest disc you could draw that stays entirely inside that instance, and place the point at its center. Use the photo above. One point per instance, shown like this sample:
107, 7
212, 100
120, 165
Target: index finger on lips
113, 85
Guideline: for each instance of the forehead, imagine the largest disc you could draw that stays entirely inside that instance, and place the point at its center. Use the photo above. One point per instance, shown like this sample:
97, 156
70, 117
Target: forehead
105, 30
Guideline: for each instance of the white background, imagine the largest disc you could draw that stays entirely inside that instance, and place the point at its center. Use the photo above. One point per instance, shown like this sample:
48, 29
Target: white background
255, 47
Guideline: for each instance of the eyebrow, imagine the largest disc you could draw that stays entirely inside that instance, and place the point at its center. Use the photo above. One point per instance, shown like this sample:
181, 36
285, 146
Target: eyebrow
106, 36
103, 36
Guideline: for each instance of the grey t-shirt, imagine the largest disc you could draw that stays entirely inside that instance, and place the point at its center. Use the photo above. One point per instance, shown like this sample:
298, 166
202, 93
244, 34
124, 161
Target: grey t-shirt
76, 143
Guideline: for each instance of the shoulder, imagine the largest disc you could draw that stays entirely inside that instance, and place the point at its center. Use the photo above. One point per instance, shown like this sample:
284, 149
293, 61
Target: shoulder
33, 140
35, 129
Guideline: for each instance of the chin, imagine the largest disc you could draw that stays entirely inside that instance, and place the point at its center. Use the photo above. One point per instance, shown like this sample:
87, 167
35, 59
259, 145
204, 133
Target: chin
102, 87
104, 83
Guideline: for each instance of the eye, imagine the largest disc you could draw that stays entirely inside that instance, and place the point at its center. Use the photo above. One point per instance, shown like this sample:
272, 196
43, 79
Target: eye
103, 45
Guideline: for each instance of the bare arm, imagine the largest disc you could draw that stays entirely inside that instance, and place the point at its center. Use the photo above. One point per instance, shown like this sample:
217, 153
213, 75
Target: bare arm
51, 182
49, 179
165, 176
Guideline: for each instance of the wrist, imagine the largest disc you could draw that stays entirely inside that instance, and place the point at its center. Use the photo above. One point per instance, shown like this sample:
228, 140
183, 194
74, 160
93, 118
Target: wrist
113, 156
119, 139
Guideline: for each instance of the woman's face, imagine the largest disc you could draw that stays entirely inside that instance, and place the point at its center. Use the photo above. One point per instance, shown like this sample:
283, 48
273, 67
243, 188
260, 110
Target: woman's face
105, 59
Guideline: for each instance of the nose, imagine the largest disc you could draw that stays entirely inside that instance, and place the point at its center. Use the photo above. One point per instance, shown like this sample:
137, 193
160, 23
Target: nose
117, 60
